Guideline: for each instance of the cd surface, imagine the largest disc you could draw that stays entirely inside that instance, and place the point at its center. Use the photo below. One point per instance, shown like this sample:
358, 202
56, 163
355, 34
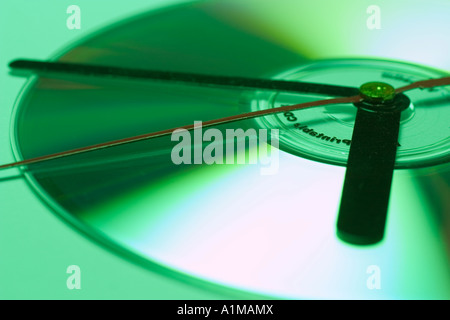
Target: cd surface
267, 226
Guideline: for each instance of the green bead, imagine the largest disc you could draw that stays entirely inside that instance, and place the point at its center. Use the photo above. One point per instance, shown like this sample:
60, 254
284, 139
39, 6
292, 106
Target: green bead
377, 91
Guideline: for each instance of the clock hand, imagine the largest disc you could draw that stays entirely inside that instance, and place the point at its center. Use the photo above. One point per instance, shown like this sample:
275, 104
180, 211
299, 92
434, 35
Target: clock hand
370, 166
277, 85
191, 78
425, 84
167, 132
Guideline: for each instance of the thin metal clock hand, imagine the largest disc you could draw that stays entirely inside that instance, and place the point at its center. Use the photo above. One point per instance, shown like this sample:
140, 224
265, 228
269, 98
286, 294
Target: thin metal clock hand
425, 84
45, 67
167, 132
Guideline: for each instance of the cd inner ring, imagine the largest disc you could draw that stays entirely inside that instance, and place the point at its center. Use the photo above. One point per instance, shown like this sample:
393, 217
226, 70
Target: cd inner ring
324, 133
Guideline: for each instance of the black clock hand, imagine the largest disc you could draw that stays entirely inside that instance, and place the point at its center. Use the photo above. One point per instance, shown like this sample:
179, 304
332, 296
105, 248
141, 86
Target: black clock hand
365, 195
191, 78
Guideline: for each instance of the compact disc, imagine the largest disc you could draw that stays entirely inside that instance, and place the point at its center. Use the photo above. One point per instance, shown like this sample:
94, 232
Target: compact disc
261, 225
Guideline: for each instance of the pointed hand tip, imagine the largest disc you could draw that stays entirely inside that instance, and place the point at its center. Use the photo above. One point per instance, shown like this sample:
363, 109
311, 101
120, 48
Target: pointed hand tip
23, 63
15, 63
